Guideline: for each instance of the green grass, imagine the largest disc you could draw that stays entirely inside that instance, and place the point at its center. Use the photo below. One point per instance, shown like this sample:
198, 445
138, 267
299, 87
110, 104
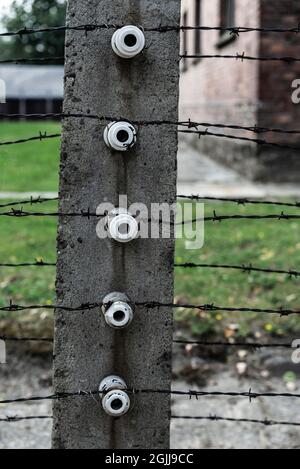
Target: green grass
31, 166
275, 244
28, 167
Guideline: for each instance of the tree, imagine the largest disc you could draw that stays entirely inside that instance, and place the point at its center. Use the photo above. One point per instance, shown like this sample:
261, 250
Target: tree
34, 14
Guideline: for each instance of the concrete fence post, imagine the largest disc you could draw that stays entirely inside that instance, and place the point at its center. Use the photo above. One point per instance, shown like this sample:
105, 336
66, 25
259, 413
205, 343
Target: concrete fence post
86, 349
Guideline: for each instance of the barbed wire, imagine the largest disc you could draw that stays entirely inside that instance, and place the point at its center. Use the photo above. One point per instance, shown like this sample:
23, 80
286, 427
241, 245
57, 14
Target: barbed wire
188, 265
200, 133
236, 30
29, 264
40, 137
244, 268
189, 393
240, 201
26, 339
31, 61
255, 129
31, 201
190, 124
152, 305
241, 57
203, 343
20, 213
257, 141
212, 418
251, 345
217, 418
15, 419
220, 218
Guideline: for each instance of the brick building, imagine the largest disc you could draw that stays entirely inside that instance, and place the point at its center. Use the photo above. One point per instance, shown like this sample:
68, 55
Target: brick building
243, 93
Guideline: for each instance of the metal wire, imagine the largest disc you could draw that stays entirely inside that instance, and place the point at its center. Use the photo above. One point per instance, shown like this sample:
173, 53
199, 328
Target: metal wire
26, 339
160, 28
31, 201
257, 141
40, 137
251, 345
239, 201
20, 213
212, 418
217, 418
30, 264
32, 61
190, 393
203, 343
242, 57
190, 124
151, 305
244, 268
16, 419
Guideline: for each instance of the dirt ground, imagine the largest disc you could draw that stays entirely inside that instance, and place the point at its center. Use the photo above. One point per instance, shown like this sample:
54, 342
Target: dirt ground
25, 375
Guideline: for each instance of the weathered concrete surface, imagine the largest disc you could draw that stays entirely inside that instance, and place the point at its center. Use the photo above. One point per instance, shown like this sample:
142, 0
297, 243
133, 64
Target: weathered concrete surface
88, 268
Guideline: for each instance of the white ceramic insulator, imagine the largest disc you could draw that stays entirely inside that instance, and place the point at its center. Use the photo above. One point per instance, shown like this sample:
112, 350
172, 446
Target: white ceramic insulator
128, 42
123, 228
120, 136
119, 315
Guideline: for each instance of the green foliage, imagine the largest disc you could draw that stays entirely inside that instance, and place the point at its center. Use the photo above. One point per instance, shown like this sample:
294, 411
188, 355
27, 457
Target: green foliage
34, 14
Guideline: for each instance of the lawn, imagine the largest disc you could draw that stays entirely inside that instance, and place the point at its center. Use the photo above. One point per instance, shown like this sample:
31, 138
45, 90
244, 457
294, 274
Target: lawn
31, 166
274, 243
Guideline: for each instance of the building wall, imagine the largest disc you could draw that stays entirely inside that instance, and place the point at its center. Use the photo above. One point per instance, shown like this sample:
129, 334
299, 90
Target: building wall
31, 106
275, 91
248, 93
221, 90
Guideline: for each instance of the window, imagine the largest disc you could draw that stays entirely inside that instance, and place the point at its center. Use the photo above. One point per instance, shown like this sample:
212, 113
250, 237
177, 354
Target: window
198, 45
227, 14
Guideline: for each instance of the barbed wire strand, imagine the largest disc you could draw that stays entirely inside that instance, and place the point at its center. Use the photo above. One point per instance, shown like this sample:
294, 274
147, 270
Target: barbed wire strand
213, 308
31, 201
244, 268
200, 134
15, 419
39, 138
190, 124
236, 30
257, 141
31, 61
29, 264
239, 201
152, 305
19, 213
241, 57
190, 393
26, 339
212, 418
251, 345
188, 265
217, 418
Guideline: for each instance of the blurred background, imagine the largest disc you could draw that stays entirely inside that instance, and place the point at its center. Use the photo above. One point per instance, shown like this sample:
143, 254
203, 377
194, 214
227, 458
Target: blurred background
219, 91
